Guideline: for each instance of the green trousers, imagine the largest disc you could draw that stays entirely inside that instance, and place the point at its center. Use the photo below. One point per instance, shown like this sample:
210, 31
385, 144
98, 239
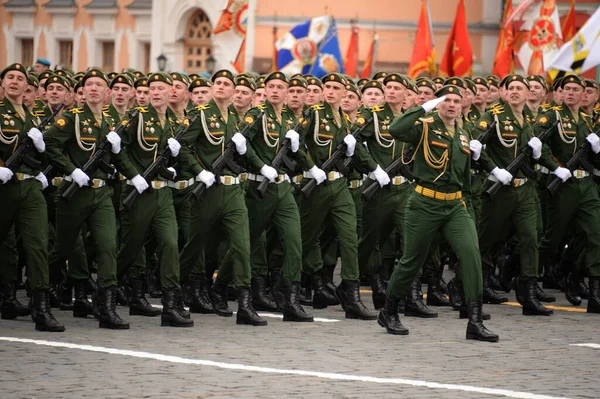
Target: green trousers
575, 205
152, 212
381, 215
23, 206
94, 208
183, 209
512, 208
424, 216
478, 181
220, 207
330, 202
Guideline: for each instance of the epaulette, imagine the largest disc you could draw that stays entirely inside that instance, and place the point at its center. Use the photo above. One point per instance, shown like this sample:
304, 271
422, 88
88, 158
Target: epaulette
557, 108
497, 110
105, 108
105, 112
76, 110
318, 107
596, 108
546, 105
428, 119
202, 107
38, 112
1, 103
376, 108
284, 109
142, 109
262, 106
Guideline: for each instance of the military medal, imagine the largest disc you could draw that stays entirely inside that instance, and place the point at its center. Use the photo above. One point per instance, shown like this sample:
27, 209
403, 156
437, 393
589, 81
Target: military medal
151, 130
12, 123
327, 127
217, 125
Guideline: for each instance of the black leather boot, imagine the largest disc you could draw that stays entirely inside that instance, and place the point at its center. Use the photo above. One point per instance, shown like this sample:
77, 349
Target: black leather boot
594, 299
321, 298
171, 313
198, 301
582, 288
153, 277
389, 319
414, 306
435, 295
454, 292
305, 296
475, 328
542, 296
138, 304
292, 310
92, 286
81, 307
246, 313
378, 291
328, 272
53, 296
531, 305
553, 276
41, 314
261, 298
11, 308
122, 296
65, 294
219, 298
571, 290
107, 310
505, 275
489, 295
348, 294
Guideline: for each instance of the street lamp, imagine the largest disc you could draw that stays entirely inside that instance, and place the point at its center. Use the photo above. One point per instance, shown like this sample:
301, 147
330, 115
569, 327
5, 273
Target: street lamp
161, 60
210, 64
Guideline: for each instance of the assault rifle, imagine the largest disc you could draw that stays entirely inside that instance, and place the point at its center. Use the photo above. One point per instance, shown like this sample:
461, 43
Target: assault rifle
397, 167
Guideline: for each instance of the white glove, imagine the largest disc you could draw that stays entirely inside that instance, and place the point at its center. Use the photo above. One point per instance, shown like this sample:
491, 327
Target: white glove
351, 144
5, 174
294, 139
269, 172
38, 139
431, 104
240, 143
42, 179
206, 177
381, 177
563, 173
174, 146
502, 175
594, 140
139, 183
536, 146
172, 170
115, 142
318, 174
79, 177
476, 148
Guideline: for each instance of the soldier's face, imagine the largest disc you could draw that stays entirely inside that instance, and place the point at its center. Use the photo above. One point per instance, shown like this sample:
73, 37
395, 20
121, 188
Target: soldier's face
314, 95
142, 96
180, 93
410, 99
222, 89
296, 97
242, 97
493, 95
590, 97
573, 94
450, 107
482, 95
120, 94
201, 95
372, 96
394, 93
14, 84
558, 95
425, 94
259, 97
516, 93
333, 92
95, 90
29, 96
160, 92
80, 97
537, 92
350, 102
468, 97
276, 91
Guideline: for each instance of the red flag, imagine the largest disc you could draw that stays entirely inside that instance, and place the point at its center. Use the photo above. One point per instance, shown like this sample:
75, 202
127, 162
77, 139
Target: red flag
351, 65
241, 58
423, 56
370, 61
458, 58
504, 61
568, 26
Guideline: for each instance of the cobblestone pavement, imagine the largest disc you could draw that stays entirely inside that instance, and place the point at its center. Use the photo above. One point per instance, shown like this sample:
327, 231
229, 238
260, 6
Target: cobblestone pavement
535, 356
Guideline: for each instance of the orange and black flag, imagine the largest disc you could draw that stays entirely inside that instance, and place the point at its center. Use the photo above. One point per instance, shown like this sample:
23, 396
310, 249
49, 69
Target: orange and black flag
423, 56
504, 60
458, 58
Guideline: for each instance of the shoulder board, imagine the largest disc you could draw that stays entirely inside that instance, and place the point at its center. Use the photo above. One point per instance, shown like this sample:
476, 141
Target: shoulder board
105, 113
376, 108
105, 108
202, 107
557, 108
262, 106
1, 103
584, 114
76, 110
318, 107
596, 108
546, 105
38, 113
428, 119
497, 110
284, 109
142, 109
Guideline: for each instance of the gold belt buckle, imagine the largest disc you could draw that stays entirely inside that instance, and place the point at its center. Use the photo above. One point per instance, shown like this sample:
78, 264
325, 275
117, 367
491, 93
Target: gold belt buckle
181, 185
227, 180
156, 184
280, 179
331, 176
243, 176
578, 173
96, 183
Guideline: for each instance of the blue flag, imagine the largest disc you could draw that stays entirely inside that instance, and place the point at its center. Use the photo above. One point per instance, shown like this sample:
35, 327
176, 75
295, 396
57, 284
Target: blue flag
311, 47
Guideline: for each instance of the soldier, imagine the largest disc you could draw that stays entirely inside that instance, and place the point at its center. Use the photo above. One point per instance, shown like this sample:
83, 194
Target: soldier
442, 173
411, 96
71, 141
57, 90
494, 94
361, 82
439, 82
200, 91
372, 93
314, 90
426, 89
221, 205
259, 93
242, 97
576, 203
322, 132
22, 202
515, 206
482, 90
41, 65
379, 76
351, 102
179, 96
537, 95
152, 211
30, 92
121, 91
591, 96
296, 96
142, 92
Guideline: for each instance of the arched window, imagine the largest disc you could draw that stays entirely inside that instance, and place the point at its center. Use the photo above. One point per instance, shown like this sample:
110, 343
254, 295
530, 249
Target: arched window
197, 42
